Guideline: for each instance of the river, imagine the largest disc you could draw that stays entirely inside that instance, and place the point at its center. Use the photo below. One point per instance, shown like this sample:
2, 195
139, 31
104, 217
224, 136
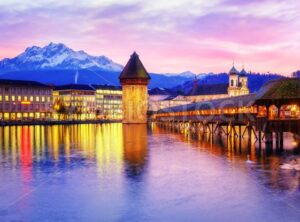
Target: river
115, 172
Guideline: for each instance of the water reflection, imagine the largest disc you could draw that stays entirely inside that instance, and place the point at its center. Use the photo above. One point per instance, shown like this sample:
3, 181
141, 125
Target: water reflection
104, 145
115, 172
135, 149
238, 150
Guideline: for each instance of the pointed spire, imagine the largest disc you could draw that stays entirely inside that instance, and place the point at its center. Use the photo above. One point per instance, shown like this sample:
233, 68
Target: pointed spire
195, 86
134, 69
233, 71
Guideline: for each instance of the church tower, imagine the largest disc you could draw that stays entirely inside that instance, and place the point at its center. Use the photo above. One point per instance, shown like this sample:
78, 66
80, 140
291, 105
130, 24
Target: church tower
134, 80
233, 89
244, 82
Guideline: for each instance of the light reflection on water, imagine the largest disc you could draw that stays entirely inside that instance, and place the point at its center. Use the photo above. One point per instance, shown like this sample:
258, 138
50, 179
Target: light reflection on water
115, 172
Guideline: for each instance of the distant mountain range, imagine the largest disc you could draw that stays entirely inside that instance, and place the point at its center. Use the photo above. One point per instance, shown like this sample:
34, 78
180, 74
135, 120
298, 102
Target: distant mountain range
58, 64
57, 56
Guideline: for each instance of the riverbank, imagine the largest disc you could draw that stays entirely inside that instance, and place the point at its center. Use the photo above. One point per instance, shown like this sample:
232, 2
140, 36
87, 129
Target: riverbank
55, 122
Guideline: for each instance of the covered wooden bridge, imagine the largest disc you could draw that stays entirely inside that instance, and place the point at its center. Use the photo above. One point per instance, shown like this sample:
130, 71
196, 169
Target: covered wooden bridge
273, 109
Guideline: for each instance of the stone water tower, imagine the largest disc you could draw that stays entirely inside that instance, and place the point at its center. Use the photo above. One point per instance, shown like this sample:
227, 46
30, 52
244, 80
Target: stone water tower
134, 80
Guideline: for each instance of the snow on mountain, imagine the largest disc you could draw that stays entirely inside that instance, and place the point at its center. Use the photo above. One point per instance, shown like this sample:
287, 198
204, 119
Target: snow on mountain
57, 56
183, 74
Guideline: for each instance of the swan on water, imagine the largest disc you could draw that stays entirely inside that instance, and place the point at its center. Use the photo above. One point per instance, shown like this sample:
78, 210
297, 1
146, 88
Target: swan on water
249, 160
292, 165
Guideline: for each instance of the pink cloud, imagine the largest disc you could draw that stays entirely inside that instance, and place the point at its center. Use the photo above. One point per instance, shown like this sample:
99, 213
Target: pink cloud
166, 42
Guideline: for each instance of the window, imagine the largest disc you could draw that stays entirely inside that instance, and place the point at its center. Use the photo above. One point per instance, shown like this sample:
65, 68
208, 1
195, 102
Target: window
6, 98
232, 82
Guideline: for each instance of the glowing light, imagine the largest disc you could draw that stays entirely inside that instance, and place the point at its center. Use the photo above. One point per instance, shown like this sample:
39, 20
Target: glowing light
25, 102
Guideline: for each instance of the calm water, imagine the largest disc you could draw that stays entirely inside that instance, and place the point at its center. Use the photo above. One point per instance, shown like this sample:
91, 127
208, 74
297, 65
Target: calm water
112, 172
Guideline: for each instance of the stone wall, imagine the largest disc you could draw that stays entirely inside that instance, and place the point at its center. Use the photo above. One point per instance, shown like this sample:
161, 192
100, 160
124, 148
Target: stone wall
135, 103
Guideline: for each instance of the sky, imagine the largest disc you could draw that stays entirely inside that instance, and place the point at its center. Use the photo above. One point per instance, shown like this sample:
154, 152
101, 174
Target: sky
171, 36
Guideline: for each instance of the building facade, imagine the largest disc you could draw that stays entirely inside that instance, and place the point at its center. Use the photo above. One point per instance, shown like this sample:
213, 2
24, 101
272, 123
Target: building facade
237, 86
134, 80
108, 102
160, 98
206, 92
74, 102
25, 100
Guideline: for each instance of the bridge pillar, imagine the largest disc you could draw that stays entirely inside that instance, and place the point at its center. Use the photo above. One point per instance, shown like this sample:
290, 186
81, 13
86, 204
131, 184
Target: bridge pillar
259, 139
269, 140
279, 141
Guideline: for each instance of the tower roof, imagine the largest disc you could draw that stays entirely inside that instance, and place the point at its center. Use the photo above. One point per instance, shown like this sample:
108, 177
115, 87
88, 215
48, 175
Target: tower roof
243, 73
233, 71
134, 69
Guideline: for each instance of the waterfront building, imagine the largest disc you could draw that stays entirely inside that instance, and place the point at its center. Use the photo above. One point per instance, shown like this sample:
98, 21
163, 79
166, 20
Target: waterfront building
238, 85
134, 80
74, 102
24, 100
206, 92
108, 102
160, 98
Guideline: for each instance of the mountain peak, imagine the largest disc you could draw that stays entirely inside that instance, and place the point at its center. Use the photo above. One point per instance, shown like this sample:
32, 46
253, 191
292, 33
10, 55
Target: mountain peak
57, 56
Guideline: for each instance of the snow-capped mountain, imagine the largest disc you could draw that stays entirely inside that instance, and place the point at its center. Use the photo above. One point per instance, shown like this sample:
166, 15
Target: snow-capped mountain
184, 74
57, 56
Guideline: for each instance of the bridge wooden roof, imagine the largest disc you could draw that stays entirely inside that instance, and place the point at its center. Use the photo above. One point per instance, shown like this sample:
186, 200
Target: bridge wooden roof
230, 102
278, 92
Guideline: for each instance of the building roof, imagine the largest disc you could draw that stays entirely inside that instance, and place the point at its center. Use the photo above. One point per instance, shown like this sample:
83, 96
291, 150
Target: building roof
75, 87
23, 83
134, 69
110, 87
233, 71
209, 89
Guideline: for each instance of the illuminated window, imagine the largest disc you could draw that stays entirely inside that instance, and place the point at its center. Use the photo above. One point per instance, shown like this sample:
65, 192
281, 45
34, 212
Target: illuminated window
37, 99
6, 98
13, 98
19, 98
31, 98
0, 97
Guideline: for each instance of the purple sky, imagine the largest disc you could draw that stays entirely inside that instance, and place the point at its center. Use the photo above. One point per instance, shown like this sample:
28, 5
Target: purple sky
169, 36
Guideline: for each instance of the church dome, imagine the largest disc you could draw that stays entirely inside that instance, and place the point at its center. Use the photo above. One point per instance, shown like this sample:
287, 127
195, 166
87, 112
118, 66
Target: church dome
243, 73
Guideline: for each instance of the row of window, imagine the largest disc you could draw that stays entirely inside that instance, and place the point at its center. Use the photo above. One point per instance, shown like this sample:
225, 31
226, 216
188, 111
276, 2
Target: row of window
20, 107
8, 98
26, 91
17, 115
101, 91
